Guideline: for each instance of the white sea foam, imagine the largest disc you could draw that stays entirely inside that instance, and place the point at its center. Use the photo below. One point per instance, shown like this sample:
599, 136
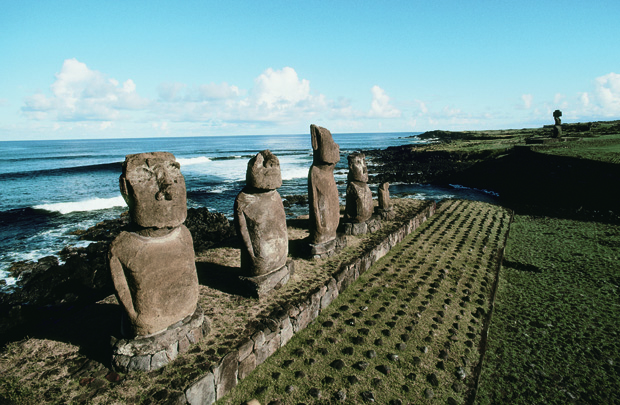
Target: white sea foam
193, 161
94, 204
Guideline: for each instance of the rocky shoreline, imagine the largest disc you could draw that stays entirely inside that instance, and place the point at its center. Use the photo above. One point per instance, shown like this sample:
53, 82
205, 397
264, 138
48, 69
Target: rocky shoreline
47, 288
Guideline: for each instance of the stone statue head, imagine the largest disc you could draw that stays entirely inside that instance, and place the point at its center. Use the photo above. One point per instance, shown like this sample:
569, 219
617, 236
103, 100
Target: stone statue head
357, 167
326, 151
154, 189
264, 171
557, 114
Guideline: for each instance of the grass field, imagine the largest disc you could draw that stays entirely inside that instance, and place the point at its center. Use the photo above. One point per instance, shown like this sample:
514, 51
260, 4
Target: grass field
554, 337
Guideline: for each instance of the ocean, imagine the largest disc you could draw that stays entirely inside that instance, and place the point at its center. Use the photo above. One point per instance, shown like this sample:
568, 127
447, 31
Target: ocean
52, 188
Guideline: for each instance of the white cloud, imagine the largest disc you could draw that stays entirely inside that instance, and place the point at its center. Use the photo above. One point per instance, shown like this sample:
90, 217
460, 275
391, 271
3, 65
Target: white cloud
82, 94
280, 88
527, 100
607, 90
380, 106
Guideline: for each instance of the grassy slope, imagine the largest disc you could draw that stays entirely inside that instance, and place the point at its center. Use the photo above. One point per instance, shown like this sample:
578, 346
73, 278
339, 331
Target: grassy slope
554, 333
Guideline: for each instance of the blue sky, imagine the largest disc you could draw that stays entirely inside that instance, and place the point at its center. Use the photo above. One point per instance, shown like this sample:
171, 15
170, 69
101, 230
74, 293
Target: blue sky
93, 69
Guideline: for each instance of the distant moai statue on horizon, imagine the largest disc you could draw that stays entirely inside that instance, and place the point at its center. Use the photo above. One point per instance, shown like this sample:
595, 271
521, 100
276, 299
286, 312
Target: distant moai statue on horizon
260, 221
322, 192
359, 197
557, 128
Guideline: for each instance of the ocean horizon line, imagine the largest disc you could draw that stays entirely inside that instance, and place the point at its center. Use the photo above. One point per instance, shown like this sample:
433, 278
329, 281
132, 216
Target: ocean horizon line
411, 133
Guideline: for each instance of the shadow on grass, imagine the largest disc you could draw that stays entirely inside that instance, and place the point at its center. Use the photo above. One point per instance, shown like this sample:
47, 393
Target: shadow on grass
222, 278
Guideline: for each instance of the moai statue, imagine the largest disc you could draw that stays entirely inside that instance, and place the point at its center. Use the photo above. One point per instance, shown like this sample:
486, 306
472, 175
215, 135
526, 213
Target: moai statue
359, 198
260, 220
557, 129
383, 193
322, 191
153, 266
385, 209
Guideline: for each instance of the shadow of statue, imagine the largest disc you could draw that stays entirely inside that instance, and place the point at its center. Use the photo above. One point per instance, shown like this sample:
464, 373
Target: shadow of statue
222, 278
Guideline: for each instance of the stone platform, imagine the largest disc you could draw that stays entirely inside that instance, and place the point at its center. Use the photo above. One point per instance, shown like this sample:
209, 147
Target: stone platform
262, 285
152, 352
371, 225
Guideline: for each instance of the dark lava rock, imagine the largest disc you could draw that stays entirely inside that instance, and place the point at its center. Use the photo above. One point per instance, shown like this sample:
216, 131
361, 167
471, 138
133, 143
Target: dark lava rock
460, 373
416, 361
370, 323
337, 364
386, 332
310, 361
363, 331
443, 354
411, 376
361, 365
350, 322
287, 363
328, 324
275, 402
347, 350
440, 365
405, 337
433, 380
357, 340
390, 324
353, 379
328, 380
299, 374
379, 342
289, 389
340, 396
275, 376
458, 387
315, 392
322, 351
428, 393
299, 352
393, 357
376, 381
396, 402
371, 354
208, 229
368, 396
452, 401
384, 369
344, 308
401, 346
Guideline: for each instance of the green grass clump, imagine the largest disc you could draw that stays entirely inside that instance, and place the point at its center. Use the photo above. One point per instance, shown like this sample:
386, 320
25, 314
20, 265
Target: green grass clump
554, 333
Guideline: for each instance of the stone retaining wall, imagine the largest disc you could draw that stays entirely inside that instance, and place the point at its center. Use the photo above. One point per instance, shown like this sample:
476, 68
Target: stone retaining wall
281, 326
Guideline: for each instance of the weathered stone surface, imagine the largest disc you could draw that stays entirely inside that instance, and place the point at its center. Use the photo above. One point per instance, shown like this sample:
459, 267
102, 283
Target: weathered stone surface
155, 278
383, 194
264, 171
260, 286
202, 392
359, 202
247, 365
322, 190
358, 171
270, 347
227, 378
162, 347
359, 197
260, 219
154, 189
